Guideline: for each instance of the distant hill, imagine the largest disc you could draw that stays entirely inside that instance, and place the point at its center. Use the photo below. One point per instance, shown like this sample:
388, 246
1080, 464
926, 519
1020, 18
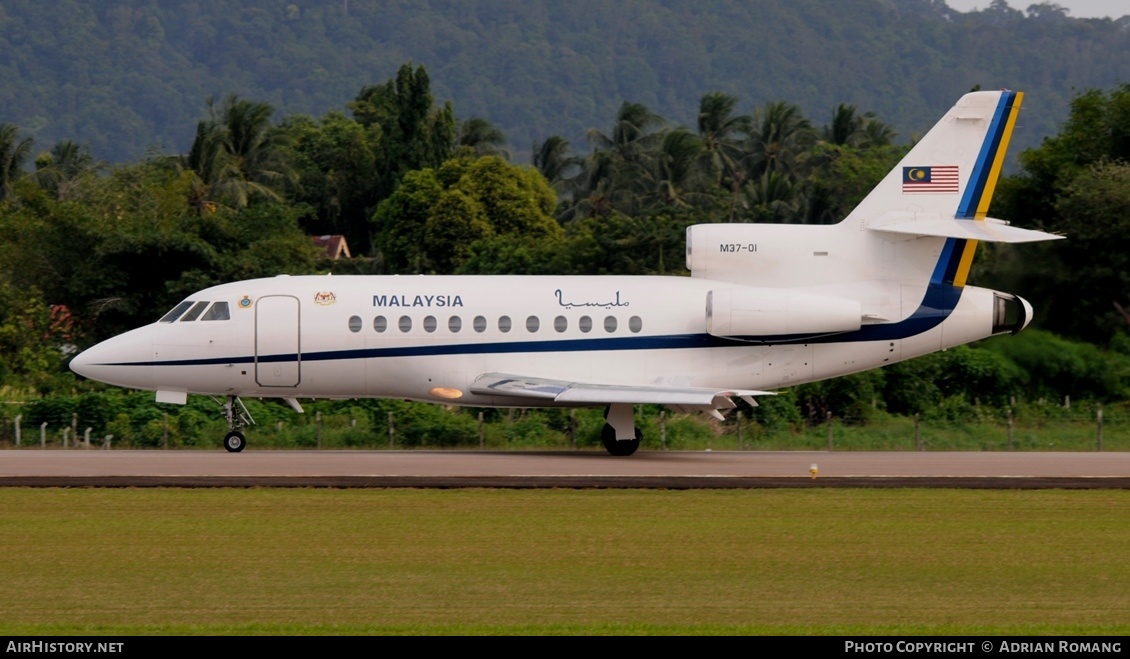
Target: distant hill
125, 76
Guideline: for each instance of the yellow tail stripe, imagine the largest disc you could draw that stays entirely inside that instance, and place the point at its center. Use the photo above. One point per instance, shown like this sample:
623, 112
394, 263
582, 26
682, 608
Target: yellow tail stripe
998, 161
966, 263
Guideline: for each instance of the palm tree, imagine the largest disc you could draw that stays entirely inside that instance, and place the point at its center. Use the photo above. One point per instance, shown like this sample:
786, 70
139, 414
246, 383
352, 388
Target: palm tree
773, 197
846, 124
722, 133
552, 159
677, 173
877, 132
614, 176
483, 138
237, 154
13, 153
778, 140
595, 190
851, 129
634, 132
59, 169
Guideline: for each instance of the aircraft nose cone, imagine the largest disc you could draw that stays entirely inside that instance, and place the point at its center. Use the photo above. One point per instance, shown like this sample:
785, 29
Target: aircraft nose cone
122, 360
81, 364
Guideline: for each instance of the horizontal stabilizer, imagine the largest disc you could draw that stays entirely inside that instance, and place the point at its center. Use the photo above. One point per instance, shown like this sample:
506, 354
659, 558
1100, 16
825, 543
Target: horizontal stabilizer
988, 230
581, 393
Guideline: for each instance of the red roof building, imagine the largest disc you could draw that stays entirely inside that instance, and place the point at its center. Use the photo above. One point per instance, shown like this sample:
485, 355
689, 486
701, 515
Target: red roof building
335, 246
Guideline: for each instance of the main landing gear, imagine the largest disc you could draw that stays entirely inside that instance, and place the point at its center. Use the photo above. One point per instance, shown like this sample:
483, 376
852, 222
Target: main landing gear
620, 436
235, 441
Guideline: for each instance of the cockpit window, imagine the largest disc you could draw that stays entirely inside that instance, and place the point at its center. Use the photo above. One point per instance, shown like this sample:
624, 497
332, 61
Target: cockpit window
176, 312
218, 311
194, 312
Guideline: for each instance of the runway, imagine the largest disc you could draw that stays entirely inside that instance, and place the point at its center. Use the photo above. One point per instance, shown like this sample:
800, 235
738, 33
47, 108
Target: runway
562, 469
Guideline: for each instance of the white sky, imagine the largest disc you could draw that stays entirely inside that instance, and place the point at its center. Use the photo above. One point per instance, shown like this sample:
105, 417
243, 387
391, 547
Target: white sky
1076, 8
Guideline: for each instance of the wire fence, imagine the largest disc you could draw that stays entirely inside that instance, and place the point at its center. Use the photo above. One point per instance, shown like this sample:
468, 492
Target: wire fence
1026, 428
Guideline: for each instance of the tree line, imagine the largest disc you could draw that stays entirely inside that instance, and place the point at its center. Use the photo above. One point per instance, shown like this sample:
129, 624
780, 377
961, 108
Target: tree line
88, 250
132, 73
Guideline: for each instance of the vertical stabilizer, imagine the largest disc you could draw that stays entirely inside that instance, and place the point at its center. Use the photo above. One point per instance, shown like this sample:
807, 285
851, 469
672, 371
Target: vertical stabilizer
950, 173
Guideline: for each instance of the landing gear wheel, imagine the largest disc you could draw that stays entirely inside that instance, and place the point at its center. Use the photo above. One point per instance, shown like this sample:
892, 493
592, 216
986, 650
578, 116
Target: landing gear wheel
235, 442
619, 447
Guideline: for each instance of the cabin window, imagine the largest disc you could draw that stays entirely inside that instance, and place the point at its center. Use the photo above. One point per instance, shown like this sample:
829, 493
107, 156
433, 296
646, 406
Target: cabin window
585, 323
532, 324
454, 324
610, 323
218, 311
560, 323
355, 324
380, 323
430, 324
480, 324
504, 324
176, 312
405, 324
635, 323
194, 312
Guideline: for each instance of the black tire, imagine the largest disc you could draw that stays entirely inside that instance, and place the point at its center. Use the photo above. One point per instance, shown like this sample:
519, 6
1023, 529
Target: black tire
619, 447
235, 442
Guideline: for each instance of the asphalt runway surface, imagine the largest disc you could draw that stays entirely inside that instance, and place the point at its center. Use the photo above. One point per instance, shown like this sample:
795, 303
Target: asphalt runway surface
562, 469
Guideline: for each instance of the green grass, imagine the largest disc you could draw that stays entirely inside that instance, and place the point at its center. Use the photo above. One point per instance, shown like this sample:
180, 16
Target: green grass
323, 561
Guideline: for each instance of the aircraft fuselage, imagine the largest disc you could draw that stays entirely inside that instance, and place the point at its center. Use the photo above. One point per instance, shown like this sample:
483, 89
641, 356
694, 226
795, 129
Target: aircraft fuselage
430, 337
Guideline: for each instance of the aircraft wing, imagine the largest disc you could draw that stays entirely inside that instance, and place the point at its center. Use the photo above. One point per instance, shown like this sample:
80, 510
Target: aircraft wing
686, 399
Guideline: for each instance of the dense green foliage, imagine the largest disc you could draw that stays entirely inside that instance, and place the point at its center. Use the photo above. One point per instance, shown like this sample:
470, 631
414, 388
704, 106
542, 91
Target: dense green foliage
88, 250
127, 75
1078, 183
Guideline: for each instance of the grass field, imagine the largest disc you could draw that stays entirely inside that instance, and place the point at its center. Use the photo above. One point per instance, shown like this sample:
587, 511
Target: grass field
322, 561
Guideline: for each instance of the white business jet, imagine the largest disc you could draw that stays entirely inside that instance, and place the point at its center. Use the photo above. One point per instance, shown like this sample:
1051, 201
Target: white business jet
766, 306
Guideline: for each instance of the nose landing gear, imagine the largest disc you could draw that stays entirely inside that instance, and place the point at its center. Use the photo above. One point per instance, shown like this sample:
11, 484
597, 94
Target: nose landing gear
235, 441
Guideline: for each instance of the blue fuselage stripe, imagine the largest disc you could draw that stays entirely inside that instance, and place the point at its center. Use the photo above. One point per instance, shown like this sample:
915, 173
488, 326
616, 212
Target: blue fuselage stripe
967, 209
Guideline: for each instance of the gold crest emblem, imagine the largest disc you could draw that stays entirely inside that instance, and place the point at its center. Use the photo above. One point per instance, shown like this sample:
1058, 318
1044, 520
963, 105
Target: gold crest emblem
324, 299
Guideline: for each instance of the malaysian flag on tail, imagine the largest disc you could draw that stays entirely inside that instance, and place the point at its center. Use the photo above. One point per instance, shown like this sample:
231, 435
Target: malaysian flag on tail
937, 178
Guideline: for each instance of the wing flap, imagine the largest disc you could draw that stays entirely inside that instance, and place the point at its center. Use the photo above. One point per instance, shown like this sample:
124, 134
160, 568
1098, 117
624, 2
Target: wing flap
582, 393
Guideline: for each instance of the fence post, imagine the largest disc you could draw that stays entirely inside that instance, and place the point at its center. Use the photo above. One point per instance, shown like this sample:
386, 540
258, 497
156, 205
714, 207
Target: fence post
86, 438
573, 428
43, 435
66, 431
165, 430
829, 430
1010, 428
482, 438
918, 431
74, 427
391, 431
318, 429
106, 442
663, 429
18, 418
1100, 420
741, 444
